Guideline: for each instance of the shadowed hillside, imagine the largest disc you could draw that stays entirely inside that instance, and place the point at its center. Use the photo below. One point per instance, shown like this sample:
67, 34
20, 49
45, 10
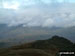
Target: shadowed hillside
47, 47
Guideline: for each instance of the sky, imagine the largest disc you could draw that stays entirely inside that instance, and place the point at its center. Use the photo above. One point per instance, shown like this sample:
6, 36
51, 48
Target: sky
45, 13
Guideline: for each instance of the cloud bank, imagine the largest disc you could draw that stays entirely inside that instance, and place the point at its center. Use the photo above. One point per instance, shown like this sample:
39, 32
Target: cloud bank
45, 15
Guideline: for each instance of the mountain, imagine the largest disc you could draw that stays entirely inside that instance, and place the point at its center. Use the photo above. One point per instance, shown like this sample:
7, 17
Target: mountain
56, 41
69, 33
48, 47
18, 34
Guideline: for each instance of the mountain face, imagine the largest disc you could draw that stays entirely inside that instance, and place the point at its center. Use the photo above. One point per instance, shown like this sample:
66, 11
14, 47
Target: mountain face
60, 42
19, 34
48, 47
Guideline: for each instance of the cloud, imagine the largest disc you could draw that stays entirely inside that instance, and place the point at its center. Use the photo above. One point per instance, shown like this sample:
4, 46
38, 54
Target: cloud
61, 16
48, 23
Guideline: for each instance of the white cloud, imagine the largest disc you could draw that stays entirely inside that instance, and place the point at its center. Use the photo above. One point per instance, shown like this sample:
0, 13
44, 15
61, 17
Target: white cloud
13, 5
62, 16
49, 22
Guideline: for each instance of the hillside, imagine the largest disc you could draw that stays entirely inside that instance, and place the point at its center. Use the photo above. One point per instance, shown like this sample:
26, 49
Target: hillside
47, 47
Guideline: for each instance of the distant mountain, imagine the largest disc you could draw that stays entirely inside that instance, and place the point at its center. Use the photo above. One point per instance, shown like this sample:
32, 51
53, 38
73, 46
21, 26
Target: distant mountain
49, 47
19, 34
69, 33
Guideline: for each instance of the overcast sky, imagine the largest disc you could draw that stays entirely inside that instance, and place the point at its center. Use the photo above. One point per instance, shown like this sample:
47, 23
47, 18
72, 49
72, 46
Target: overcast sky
45, 13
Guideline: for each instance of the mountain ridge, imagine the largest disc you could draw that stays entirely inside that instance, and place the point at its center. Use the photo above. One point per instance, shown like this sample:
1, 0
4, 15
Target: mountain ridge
19, 34
48, 47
